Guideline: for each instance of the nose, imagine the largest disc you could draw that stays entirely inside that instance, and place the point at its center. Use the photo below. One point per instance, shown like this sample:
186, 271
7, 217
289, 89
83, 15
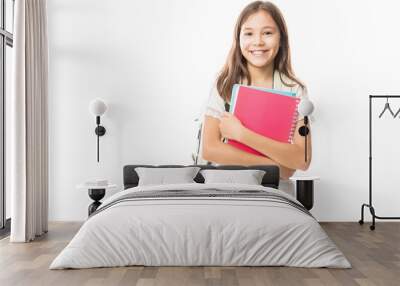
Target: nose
258, 41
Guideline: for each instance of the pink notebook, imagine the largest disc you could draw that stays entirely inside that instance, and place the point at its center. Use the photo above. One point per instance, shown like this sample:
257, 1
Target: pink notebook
268, 112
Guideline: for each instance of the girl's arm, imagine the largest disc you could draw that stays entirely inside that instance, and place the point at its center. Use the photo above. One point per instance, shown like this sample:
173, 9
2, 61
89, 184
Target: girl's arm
215, 150
286, 154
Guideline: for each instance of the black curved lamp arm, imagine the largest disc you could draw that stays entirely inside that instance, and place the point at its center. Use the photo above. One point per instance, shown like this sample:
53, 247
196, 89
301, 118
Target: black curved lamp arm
303, 131
100, 131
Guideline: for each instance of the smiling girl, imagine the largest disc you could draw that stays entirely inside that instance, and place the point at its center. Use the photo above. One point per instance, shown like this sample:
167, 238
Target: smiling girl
259, 56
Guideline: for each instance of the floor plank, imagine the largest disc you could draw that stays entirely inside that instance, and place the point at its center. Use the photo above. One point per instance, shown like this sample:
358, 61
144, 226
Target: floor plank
374, 255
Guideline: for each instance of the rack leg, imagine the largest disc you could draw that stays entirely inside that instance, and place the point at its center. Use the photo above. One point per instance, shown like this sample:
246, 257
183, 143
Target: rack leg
361, 221
372, 210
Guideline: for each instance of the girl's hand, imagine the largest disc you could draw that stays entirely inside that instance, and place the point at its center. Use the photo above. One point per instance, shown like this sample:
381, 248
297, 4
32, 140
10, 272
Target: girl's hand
231, 127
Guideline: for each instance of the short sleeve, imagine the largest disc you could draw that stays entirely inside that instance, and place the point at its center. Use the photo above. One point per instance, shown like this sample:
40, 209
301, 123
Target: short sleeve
215, 106
301, 92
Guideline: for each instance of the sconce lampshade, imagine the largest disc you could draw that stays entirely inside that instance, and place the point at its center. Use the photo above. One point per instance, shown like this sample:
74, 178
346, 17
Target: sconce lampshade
97, 107
306, 107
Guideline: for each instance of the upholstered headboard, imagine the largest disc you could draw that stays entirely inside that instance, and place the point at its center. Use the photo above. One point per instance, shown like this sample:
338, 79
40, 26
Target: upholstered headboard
270, 179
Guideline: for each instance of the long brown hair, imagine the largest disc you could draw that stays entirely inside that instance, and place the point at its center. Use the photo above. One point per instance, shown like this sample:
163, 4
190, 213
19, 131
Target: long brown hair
235, 67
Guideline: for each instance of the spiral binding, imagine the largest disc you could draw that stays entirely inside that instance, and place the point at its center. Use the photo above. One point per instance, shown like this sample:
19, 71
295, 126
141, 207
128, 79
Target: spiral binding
294, 121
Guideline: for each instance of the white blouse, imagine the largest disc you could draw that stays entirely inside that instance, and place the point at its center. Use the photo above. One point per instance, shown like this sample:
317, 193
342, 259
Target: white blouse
215, 107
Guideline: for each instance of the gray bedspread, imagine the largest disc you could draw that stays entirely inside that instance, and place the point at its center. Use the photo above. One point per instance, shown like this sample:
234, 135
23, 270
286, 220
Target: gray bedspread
201, 224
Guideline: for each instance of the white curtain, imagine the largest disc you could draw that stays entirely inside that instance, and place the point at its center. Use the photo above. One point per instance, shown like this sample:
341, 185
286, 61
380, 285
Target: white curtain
28, 121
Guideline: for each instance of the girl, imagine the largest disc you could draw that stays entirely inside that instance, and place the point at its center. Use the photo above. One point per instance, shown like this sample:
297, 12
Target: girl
259, 56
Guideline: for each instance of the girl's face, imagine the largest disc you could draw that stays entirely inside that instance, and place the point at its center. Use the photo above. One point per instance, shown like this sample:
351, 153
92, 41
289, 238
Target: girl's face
259, 39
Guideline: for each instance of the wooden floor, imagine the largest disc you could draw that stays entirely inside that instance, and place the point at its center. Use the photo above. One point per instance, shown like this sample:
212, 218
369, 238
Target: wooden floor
374, 255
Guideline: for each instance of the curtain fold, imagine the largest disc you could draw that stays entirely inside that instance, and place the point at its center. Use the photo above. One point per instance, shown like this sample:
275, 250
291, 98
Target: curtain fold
29, 122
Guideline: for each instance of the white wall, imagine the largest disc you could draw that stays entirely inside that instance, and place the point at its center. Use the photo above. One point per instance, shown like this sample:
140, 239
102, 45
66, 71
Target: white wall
154, 62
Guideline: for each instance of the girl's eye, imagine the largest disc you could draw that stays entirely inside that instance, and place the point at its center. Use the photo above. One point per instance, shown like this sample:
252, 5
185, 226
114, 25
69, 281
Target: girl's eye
267, 33
247, 34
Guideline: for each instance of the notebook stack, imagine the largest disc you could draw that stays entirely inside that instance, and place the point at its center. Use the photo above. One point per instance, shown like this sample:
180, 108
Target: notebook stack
268, 112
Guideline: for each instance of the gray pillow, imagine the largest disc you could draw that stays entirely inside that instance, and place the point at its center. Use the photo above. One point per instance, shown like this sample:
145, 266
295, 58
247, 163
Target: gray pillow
162, 176
249, 177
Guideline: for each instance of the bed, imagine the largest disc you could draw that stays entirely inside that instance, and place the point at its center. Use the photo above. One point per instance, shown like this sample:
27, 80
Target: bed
201, 224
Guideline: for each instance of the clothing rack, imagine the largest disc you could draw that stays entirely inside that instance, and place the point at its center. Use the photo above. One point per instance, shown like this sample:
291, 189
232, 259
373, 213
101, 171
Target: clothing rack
369, 205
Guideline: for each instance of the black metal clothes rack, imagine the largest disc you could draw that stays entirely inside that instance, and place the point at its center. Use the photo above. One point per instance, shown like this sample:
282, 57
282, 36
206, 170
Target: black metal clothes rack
369, 205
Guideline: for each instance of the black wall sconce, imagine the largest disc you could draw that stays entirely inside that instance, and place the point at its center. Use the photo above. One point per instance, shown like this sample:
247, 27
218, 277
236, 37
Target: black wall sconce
97, 107
305, 108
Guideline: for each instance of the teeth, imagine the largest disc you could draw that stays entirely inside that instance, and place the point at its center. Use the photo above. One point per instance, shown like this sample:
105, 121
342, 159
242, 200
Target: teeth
258, 53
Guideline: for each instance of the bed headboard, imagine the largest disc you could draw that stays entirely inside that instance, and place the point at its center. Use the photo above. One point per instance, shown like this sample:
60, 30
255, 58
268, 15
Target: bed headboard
270, 179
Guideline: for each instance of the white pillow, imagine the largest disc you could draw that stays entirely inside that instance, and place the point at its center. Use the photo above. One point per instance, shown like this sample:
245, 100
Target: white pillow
162, 176
249, 177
